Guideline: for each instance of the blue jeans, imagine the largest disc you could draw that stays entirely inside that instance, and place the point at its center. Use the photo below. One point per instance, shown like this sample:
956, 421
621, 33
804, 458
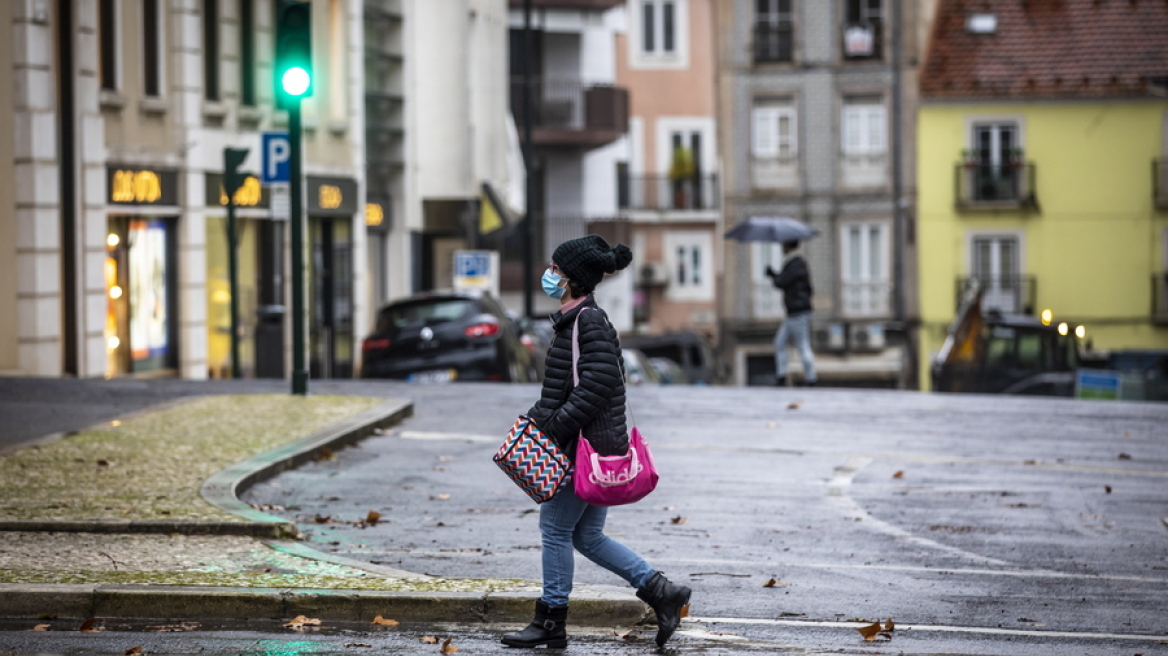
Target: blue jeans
798, 328
565, 522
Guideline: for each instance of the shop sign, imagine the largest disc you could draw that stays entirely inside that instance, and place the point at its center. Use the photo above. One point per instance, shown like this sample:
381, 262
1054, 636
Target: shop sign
250, 195
332, 196
137, 186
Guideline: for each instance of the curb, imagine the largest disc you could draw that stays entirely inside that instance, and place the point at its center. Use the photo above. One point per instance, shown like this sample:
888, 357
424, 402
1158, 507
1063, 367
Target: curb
590, 607
222, 489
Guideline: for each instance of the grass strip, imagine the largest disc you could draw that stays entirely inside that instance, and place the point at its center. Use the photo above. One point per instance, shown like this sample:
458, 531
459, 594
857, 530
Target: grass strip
151, 465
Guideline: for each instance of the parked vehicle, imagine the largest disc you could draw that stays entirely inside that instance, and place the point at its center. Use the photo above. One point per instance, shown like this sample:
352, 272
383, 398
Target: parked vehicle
638, 370
441, 337
689, 350
671, 373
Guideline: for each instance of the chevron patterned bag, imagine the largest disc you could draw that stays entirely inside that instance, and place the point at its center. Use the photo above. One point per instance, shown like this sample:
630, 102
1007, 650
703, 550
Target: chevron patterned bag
533, 460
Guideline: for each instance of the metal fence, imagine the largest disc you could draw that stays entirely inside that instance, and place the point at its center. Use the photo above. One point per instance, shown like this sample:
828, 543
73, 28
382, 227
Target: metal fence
660, 192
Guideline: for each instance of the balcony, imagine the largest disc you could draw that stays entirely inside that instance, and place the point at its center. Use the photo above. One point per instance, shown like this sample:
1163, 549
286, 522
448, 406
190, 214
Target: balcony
1160, 182
573, 114
773, 42
584, 5
983, 186
868, 299
660, 193
1005, 294
1160, 298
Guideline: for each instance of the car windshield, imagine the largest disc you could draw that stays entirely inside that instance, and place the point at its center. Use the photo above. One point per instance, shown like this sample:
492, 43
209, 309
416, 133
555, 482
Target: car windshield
423, 313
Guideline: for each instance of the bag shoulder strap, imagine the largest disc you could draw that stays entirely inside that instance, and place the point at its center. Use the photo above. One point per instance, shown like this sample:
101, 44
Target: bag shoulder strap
576, 361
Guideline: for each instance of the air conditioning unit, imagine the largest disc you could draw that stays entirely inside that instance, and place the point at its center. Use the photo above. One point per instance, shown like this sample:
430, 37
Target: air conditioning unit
868, 337
828, 337
655, 274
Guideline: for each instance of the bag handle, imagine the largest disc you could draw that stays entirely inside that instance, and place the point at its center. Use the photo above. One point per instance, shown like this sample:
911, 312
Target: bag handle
576, 361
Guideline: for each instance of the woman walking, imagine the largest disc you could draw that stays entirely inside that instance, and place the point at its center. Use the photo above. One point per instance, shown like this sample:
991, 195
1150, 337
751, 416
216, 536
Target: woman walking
597, 407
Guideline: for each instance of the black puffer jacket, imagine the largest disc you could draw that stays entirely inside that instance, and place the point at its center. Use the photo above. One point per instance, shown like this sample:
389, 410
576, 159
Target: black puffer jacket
795, 281
597, 404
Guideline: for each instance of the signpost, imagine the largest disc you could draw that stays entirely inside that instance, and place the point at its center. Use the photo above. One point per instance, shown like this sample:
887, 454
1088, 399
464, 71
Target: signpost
232, 180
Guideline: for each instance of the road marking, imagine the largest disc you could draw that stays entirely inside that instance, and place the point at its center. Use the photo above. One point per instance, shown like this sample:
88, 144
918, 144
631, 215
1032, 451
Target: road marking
1074, 635
837, 491
438, 435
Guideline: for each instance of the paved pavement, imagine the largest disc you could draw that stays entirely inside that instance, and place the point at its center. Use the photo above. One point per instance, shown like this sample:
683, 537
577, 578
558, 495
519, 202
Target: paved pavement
982, 524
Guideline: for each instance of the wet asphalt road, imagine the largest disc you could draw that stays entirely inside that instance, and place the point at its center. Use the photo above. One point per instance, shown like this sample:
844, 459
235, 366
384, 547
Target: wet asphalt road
981, 525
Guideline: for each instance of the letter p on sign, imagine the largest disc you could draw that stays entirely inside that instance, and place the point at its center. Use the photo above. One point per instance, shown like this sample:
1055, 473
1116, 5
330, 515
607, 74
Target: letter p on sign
277, 152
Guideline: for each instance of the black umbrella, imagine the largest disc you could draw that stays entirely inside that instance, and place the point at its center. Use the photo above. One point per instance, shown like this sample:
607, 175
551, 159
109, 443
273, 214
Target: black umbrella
772, 228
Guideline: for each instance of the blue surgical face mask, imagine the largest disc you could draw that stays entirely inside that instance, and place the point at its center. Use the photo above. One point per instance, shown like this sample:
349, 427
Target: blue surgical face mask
551, 284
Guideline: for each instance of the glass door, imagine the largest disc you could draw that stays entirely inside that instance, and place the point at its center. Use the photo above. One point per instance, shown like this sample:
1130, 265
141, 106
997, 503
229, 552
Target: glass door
997, 148
996, 266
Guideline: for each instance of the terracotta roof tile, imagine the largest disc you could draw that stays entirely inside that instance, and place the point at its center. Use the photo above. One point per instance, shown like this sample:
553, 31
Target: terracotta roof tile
1048, 49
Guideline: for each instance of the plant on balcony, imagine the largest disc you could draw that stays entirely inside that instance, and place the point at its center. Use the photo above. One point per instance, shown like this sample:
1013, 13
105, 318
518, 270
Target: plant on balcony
970, 158
1017, 157
681, 170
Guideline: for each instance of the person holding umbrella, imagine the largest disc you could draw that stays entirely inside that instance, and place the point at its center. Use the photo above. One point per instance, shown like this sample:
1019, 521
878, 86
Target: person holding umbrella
795, 281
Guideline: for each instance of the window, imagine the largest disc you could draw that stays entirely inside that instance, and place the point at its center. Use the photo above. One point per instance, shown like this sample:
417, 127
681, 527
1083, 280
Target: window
151, 50
862, 29
996, 265
774, 144
689, 262
247, 63
864, 143
995, 161
659, 33
766, 300
864, 262
774, 31
211, 49
108, 34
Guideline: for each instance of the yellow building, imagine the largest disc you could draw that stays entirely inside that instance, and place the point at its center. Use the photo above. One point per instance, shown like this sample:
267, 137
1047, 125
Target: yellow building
1042, 151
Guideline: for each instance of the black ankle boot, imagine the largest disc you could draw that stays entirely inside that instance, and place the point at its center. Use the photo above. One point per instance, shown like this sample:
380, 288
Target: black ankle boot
667, 600
548, 628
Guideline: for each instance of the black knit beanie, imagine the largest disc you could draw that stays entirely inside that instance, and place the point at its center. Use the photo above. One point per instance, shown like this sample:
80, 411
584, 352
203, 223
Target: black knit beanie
584, 261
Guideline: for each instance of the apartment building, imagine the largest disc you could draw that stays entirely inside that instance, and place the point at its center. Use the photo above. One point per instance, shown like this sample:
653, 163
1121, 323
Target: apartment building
808, 97
117, 244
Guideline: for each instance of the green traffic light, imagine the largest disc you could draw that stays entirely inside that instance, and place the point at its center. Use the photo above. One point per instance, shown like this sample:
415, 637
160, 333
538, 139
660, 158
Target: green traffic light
296, 81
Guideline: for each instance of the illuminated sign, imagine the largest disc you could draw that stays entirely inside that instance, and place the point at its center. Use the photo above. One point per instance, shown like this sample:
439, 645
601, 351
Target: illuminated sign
249, 194
374, 215
330, 197
130, 186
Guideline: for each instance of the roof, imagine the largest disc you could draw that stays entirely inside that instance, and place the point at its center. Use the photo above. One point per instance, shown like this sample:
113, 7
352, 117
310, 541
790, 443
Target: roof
1048, 49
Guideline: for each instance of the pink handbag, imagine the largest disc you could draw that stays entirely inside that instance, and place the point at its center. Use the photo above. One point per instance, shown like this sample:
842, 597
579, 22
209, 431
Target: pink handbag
611, 480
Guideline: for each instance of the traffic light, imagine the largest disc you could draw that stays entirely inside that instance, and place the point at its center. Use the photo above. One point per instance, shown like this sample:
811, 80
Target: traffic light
293, 51
232, 178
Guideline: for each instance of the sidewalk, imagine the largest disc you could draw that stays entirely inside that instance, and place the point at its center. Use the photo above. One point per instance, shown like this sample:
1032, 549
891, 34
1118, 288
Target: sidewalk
139, 518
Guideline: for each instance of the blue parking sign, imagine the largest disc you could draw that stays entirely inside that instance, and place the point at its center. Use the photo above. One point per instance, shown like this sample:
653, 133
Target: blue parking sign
277, 157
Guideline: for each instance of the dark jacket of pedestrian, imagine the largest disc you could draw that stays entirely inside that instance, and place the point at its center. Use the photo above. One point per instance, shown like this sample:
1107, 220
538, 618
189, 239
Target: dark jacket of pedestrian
597, 405
795, 281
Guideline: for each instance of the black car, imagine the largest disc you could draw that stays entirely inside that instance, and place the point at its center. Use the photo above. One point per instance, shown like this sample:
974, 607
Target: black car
446, 336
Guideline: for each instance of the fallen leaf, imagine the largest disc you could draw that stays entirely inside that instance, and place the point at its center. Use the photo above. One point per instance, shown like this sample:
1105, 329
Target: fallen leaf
1107, 488
684, 612
324, 454
869, 632
301, 621
889, 626
322, 520
679, 520
448, 648
363, 645
429, 640
1125, 456
899, 474
794, 405
629, 636
774, 583
136, 650
41, 627
372, 517
105, 463
439, 497
381, 621
88, 626
1030, 462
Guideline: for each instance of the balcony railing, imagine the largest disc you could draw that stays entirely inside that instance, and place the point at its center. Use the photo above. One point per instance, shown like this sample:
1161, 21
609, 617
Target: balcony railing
572, 112
995, 186
1160, 298
661, 193
1005, 294
866, 299
773, 42
1160, 182
586, 5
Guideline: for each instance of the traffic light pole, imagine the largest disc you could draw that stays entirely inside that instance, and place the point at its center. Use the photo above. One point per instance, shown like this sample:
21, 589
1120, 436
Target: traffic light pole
233, 274
296, 190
